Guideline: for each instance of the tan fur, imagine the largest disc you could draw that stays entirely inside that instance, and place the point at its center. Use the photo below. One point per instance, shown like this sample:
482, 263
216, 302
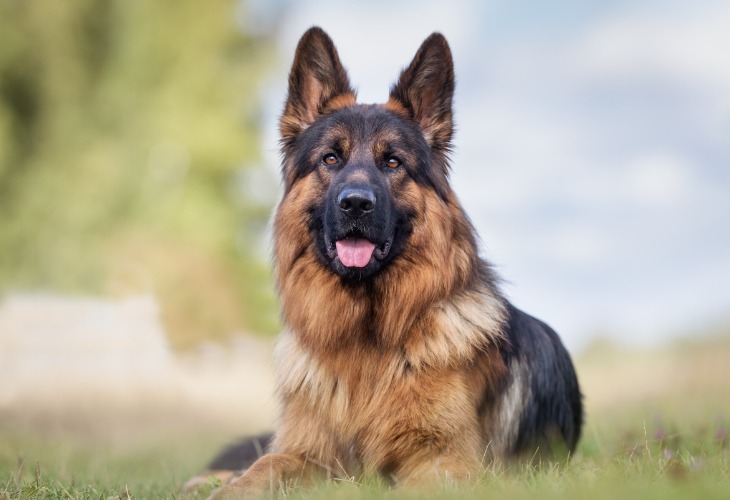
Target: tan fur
400, 402
196, 482
293, 124
386, 378
395, 106
340, 101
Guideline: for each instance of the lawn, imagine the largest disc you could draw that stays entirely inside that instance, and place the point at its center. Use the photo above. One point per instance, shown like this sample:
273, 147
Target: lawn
658, 426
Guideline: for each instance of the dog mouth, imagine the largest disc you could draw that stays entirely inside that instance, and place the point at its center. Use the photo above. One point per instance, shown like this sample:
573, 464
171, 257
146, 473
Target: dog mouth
356, 251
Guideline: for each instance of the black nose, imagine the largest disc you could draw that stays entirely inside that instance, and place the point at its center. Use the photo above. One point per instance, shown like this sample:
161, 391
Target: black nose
356, 201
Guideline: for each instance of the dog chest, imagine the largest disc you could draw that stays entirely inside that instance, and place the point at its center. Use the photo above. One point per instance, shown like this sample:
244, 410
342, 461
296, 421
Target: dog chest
369, 403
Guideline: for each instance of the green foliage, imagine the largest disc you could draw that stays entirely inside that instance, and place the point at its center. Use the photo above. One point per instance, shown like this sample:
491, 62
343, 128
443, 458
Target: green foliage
125, 127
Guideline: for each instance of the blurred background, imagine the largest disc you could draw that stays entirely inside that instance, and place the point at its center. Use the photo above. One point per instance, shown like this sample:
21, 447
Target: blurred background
139, 167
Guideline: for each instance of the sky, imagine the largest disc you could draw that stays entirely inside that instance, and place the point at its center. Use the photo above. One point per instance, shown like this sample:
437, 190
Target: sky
592, 150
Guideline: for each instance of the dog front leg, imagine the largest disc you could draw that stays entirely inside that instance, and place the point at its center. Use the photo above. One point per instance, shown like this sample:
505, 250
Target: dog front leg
441, 469
271, 473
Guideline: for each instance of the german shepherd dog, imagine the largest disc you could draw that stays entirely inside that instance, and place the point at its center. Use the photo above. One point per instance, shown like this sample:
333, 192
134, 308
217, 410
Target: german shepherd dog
399, 357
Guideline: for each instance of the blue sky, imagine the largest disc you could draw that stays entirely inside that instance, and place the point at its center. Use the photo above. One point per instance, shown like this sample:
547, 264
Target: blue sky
592, 150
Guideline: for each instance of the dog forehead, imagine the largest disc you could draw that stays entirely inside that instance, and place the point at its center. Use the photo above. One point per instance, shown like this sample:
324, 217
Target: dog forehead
365, 124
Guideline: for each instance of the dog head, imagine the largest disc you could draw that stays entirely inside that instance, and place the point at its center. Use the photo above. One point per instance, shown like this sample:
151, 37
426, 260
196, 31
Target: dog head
354, 171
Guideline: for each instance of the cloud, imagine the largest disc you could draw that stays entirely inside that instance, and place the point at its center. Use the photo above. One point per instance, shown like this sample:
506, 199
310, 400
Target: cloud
685, 43
589, 160
659, 179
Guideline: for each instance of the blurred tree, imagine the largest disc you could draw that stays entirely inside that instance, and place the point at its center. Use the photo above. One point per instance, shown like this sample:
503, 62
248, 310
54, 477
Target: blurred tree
125, 127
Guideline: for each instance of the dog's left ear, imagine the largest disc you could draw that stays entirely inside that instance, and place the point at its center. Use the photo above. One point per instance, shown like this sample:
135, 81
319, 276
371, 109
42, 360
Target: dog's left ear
317, 83
426, 90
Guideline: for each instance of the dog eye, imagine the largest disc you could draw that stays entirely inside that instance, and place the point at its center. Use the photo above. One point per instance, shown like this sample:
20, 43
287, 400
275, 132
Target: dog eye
394, 162
329, 159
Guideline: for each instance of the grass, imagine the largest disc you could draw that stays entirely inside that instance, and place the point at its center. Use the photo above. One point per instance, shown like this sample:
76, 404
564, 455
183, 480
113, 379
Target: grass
668, 437
68, 465
694, 464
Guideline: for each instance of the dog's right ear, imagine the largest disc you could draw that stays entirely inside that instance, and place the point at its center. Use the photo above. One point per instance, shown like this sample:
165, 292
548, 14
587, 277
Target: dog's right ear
317, 84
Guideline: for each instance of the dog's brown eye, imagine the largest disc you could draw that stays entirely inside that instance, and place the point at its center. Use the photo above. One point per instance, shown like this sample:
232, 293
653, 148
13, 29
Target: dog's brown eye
393, 162
329, 159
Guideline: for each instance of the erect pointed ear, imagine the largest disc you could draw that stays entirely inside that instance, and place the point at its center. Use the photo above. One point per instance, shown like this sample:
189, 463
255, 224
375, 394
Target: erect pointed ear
317, 83
426, 90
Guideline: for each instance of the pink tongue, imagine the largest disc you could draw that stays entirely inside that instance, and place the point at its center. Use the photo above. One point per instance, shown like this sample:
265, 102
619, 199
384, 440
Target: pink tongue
354, 252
